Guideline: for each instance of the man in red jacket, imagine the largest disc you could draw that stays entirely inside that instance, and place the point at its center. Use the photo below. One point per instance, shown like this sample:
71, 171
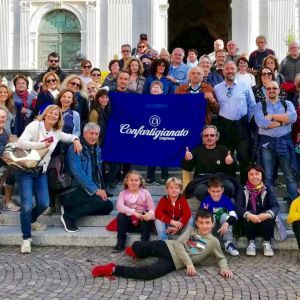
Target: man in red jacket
172, 213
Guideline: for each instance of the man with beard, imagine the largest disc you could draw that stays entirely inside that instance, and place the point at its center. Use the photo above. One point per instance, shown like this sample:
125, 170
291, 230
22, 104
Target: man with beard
275, 139
237, 104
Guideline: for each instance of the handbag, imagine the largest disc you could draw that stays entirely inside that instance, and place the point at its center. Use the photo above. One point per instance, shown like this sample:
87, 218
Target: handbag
21, 159
280, 233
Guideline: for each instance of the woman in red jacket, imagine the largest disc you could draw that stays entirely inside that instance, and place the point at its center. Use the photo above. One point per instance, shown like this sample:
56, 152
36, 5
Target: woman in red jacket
173, 213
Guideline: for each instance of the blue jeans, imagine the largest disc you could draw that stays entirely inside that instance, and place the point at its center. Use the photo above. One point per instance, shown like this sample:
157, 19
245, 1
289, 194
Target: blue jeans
161, 228
268, 157
29, 185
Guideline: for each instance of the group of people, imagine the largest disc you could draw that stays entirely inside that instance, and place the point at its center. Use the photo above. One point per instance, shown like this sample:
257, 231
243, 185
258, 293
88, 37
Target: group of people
252, 108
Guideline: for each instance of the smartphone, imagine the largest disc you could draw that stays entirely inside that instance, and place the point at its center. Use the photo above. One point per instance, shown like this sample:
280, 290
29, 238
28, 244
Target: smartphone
49, 139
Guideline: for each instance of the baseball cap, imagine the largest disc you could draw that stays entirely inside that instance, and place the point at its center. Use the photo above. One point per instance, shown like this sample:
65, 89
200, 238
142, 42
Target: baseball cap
143, 36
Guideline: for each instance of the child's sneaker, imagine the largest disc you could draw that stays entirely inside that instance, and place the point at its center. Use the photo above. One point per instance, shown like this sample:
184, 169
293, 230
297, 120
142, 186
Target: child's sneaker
106, 270
130, 252
230, 248
268, 251
251, 249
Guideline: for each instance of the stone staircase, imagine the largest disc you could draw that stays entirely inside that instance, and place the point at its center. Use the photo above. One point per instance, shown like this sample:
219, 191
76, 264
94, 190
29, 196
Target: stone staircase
92, 230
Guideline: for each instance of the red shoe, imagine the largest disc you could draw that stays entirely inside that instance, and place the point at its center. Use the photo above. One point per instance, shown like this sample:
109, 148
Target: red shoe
106, 270
130, 252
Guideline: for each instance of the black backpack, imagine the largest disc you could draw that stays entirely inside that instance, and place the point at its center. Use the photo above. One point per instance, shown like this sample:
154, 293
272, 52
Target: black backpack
264, 106
58, 179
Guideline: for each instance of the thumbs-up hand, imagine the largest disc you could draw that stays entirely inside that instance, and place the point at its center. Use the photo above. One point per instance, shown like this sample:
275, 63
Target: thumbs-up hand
188, 154
228, 159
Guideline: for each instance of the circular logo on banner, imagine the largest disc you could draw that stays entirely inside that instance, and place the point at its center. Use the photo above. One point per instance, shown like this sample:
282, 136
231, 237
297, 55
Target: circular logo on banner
154, 120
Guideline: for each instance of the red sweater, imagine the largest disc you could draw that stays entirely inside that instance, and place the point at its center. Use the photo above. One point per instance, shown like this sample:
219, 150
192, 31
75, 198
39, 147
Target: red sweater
165, 211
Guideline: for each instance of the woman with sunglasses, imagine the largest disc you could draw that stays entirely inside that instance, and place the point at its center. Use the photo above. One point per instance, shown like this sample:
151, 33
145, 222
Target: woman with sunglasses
158, 71
271, 62
96, 75
111, 79
51, 86
136, 81
76, 85
85, 68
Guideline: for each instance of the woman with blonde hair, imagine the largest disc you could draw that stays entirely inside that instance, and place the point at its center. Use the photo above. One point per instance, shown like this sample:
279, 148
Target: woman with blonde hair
49, 93
77, 86
136, 80
45, 132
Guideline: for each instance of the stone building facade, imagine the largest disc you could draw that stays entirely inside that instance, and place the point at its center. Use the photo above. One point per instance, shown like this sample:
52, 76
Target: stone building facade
30, 29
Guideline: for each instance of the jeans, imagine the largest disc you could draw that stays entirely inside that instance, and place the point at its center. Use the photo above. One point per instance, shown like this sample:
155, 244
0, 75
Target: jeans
29, 185
161, 229
161, 267
201, 192
78, 204
227, 236
268, 158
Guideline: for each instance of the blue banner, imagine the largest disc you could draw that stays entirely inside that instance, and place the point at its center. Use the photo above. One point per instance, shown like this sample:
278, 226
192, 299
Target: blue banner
153, 130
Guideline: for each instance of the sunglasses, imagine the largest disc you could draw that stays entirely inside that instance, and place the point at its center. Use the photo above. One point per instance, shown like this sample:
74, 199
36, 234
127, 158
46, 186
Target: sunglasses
51, 80
97, 75
87, 67
141, 46
209, 135
229, 92
91, 88
266, 74
54, 60
125, 51
272, 88
75, 84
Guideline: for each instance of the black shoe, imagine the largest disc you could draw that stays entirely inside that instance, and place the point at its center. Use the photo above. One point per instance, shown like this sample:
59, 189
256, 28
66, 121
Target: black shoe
118, 248
69, 225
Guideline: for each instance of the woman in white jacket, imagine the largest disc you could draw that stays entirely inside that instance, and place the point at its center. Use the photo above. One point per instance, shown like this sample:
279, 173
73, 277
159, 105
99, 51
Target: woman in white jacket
45, 132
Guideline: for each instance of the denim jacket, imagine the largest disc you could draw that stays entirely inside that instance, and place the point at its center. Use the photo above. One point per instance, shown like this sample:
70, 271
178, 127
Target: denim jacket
80, 167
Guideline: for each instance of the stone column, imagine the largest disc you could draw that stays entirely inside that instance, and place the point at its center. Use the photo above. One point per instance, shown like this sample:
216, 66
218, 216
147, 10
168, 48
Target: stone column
159, 24
119, 27
24, 34
92, 31
281, 22
244, 24
4, 36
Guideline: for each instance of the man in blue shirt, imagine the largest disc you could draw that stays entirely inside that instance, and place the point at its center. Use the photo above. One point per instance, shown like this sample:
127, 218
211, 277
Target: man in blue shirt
178, 71
237, 104
274, 129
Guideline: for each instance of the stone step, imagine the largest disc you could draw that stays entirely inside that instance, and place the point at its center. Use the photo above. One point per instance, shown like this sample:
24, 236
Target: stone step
13, 219
93, 237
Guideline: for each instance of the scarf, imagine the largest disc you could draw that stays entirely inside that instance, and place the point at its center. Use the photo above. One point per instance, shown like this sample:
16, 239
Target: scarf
24, 96
254, 191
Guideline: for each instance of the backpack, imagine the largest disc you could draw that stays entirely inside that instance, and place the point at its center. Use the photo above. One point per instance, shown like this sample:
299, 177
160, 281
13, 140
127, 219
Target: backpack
264, 106
58, 179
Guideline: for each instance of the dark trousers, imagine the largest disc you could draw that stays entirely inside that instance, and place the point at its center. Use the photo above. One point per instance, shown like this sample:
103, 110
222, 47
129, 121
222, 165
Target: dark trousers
161, 267
151, 173
110, 176
265, 229
78, 204
125, 225
296, 229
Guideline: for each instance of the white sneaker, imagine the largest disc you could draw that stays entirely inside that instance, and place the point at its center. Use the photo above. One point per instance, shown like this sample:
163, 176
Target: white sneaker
26, 246
38, 226
230, 248
10, 206
251, 249
268, 251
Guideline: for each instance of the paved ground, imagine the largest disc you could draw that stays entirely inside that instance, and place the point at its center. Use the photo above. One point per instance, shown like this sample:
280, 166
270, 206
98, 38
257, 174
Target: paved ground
64, 273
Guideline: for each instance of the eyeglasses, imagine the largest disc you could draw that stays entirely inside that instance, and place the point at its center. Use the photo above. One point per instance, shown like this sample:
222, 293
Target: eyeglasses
51, 80
91, 88
266, 74
209, 135
141, 46
53, 60
97, 74
87, 67
229, 92
125, 51
272, 88
75, 84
